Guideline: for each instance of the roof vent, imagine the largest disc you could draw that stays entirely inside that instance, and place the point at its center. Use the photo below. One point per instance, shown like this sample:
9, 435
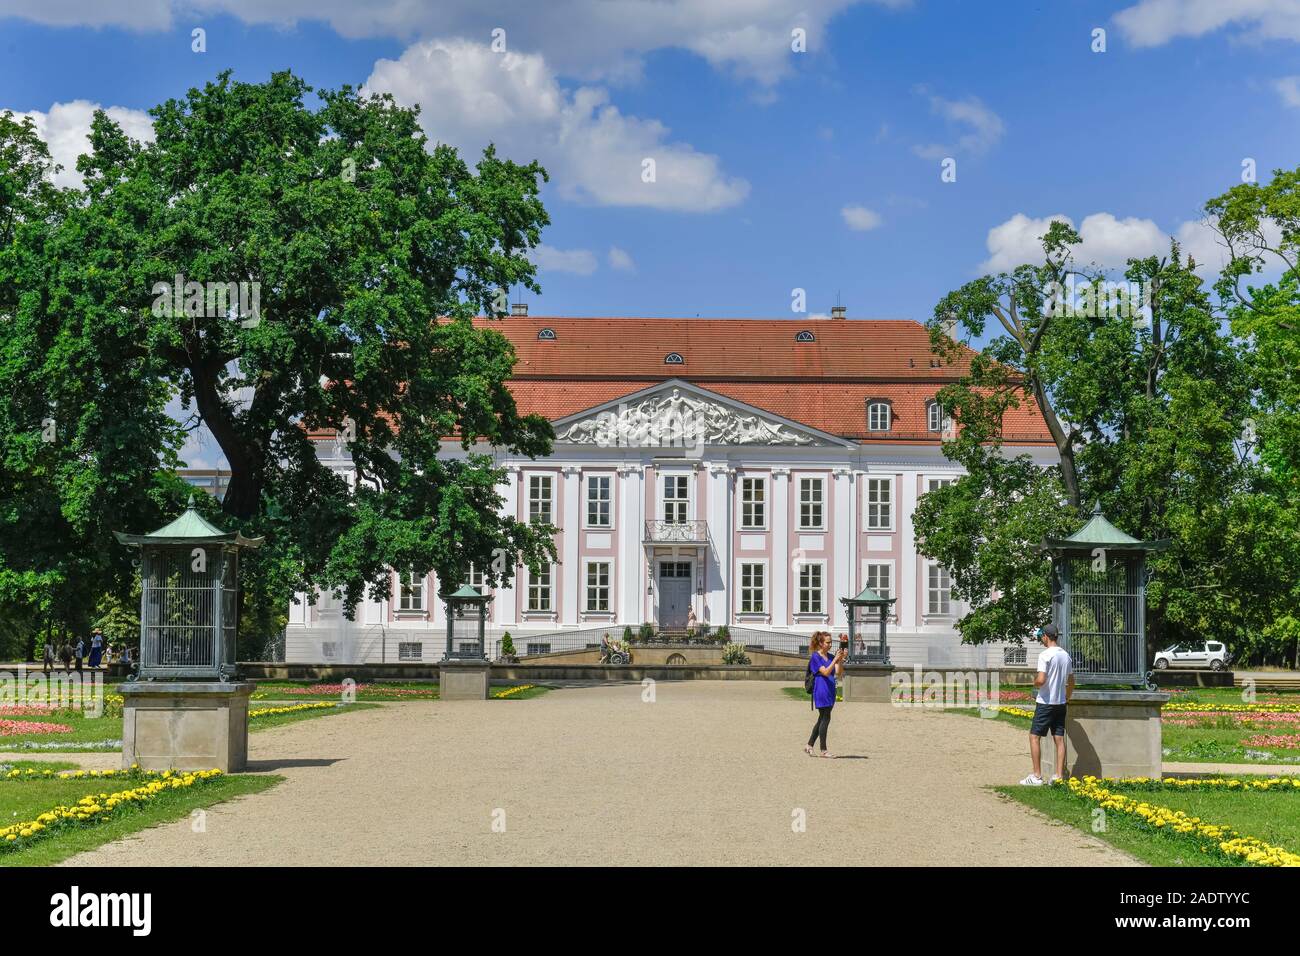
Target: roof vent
839, 311
519, 308
674, 358
546, 335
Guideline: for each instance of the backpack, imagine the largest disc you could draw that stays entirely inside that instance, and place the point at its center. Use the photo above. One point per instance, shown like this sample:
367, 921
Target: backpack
809, 680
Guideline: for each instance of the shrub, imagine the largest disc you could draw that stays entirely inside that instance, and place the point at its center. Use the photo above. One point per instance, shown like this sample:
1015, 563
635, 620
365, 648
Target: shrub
628, 637
507, 645
723, 634
646, 632
734, 654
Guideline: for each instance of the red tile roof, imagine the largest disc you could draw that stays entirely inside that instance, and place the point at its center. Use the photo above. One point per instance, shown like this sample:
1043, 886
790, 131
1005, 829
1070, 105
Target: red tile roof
824, 383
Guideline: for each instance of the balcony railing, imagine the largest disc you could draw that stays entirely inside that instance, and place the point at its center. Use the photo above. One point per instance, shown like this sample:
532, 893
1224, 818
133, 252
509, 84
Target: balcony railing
676, 532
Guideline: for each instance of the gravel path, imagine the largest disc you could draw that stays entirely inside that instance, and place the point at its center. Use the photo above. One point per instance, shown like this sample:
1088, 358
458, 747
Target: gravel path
709, 773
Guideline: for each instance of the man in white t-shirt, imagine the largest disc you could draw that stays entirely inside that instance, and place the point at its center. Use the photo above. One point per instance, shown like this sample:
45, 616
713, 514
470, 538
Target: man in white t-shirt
1055, 683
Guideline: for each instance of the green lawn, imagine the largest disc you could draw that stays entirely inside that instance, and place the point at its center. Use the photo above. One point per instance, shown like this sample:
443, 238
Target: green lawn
27, 799
801, 695
379, 692
1273, 817
105, 733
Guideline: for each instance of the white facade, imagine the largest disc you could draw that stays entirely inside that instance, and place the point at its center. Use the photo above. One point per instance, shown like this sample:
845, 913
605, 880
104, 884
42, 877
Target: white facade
676, 497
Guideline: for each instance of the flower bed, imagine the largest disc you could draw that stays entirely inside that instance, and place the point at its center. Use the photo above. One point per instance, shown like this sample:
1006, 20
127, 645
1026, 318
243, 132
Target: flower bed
291, 709
511, 691
21, 728
1281, 741
98, 808
1234, 847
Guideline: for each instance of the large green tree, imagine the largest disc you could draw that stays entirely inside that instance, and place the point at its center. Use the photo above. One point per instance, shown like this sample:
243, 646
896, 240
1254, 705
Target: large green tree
1146, 396
367, 252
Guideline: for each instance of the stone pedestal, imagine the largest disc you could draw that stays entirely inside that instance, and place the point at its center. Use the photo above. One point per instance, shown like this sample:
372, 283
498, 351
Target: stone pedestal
464, 679
867, 683
185, 725
1110, 733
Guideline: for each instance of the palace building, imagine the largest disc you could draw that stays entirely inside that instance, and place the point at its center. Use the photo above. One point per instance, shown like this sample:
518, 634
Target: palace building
755, 471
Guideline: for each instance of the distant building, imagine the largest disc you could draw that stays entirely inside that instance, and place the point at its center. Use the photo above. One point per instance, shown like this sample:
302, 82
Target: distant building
214, 481
756, 471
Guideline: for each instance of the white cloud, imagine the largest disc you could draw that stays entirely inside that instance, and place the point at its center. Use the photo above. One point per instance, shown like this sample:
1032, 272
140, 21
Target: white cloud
580, 262
1106, 241
592, 39
470, 96
860, 218
66, 131
1288, 87
982, 127
1156, 22
620, 261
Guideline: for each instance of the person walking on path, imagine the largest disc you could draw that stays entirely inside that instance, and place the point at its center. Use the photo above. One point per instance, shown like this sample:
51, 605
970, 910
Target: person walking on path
65, 655
81, 652
96, 648
1055, 683
825, 669
49, 654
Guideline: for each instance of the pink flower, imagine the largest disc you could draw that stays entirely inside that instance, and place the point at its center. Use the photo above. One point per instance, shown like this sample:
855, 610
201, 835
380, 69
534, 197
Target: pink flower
16, 728
1283, 741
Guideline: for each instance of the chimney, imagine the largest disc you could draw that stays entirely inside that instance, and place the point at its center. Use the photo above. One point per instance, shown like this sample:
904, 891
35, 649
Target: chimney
519, 308
839, 311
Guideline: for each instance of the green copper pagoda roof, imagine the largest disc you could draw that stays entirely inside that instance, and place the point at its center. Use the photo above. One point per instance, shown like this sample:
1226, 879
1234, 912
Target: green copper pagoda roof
189, 528
1100, 533
867, 596
467, 592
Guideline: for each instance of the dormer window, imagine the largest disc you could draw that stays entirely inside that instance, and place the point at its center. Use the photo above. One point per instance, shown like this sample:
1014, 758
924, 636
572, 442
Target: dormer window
805, 336
879, 415
934, 417
674, 358
546, 335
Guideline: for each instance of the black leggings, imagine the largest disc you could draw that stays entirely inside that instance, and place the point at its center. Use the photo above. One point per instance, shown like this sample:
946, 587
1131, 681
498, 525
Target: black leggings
819, 728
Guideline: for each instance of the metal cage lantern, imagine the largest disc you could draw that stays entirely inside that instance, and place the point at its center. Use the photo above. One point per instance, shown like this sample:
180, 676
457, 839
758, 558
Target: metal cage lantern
189, 598
466, 624
868, 617
1099, 579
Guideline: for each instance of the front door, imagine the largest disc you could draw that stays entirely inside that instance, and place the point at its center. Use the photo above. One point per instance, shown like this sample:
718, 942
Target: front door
674, 593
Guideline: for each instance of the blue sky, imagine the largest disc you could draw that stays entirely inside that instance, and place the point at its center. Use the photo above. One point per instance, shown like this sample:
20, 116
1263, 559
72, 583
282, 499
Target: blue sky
776, 170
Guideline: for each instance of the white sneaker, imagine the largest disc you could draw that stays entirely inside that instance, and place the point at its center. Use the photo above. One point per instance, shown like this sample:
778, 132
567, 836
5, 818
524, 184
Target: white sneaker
1033, 780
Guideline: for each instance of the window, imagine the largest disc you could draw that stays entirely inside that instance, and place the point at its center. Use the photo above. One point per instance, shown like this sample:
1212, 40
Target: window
811, 499
329, 650
753, 504
539, 589
674, 358
880, 504
810, 589
752, 589
410, 651
676, 498
805, 336
539, 499
546, 335
537, 648
932, 483
410, 594
880, 578
475, 579
934, 417
598, 586
939, 592
598, 494
878, 416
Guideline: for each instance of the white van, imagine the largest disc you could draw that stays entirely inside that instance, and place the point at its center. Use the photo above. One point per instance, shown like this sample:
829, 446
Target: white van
1211, 654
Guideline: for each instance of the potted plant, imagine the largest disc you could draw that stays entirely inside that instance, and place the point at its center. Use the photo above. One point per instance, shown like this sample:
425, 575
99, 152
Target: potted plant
646, 633
508, 654
723, 634
628, 636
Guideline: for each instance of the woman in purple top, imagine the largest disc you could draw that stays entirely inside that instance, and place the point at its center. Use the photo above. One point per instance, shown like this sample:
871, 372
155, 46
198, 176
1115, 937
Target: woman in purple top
825, 669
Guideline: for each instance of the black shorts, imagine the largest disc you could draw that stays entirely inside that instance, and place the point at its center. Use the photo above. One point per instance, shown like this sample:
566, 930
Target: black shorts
1048, 717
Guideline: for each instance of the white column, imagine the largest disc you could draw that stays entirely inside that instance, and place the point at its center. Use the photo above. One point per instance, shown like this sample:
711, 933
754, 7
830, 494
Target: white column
781, 557
504, 611
843, 546
571, 534
629, 545
907, 580
718, 516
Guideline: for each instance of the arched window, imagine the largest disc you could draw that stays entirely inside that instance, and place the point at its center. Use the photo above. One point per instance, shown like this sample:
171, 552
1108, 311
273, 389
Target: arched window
546, 335
673, 358
879, 416
934, 415
805, 336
